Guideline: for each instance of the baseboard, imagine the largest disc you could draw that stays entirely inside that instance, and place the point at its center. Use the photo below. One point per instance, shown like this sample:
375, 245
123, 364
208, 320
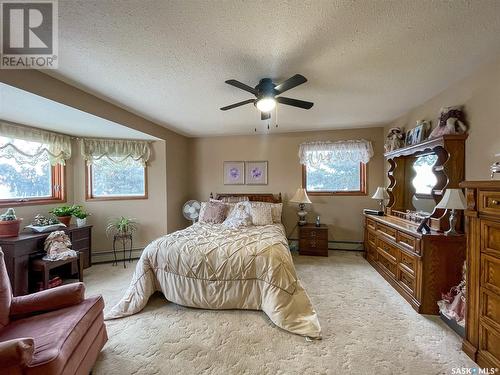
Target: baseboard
107, 256
332, 245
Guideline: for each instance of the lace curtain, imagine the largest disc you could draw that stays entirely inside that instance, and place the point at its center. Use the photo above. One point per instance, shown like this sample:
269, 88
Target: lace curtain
30, 145
117, 151
315, 153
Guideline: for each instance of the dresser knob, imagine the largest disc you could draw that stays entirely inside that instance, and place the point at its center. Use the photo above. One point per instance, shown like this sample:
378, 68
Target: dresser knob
494, 202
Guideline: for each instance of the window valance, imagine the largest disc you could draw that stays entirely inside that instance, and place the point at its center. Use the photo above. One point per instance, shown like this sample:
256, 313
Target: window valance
314, 153
118, 151
15, 143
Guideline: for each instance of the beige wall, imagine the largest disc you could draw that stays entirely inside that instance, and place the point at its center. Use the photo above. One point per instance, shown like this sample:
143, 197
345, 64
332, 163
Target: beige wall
480, 95
169, 173
342, 214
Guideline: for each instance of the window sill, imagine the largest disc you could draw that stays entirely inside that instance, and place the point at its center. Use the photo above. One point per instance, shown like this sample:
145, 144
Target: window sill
31, 202
101, 199
336, 193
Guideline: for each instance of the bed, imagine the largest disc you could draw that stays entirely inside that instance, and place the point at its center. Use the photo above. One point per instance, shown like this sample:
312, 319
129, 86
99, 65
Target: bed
209, 266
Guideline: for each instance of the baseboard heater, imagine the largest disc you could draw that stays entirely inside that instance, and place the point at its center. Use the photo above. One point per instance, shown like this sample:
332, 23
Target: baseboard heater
108, 257
332, 245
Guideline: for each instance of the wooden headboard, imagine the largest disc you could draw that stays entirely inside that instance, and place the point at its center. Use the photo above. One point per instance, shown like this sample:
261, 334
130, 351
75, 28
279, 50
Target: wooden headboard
254, 197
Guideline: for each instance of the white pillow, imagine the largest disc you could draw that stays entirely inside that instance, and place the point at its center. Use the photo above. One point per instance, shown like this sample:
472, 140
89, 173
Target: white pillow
276, 209
261, 214
238, 217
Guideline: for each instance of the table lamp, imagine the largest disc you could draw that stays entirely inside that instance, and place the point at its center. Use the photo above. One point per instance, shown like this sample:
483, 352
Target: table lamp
453, 200
301, 198
381, 195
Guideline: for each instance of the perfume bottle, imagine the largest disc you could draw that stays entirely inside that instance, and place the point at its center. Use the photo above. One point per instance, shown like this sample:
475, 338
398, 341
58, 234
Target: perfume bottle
318, 224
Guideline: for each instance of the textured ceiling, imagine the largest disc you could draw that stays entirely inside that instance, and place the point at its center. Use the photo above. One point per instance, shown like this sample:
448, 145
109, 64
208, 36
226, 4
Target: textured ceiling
367, 62
47, 114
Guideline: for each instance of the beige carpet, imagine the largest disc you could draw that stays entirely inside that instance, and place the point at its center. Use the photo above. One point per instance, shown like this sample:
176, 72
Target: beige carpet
367, 329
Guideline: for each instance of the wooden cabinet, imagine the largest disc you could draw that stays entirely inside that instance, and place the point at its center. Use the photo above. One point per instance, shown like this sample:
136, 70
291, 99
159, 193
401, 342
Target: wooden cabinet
482, 328
19, 250
420, 267
313, 240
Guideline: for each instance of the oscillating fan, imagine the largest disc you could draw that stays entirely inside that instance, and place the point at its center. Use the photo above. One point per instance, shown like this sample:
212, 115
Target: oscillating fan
191, 210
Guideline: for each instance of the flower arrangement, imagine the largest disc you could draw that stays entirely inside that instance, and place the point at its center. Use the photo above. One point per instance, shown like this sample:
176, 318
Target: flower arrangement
42, 221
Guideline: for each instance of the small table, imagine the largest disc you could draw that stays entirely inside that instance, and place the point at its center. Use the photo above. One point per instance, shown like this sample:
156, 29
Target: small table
313, 240
124, 238
45, 266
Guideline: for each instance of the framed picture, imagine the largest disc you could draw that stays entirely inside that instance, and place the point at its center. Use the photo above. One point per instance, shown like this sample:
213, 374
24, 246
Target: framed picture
234, 173
409, 137
256, 172
421, 131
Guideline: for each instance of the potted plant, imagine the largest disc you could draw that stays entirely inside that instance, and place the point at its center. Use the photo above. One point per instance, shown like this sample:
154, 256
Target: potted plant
9, 224
63, 214
81, 216
121, 226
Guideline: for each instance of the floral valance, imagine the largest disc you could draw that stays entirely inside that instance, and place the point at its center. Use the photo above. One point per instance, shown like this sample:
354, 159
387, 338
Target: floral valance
314, 153
30, 145
118, 151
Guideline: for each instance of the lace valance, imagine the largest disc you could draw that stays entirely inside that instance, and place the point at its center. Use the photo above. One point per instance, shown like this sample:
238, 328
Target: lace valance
118, 151
18, 142
314, 153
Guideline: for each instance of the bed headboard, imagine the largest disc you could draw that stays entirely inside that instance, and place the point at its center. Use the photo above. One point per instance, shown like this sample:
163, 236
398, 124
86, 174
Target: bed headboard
254, 197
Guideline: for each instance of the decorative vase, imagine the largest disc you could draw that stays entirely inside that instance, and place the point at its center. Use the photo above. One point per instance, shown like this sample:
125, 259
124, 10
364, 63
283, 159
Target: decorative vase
10, 228
81, 222
64, 220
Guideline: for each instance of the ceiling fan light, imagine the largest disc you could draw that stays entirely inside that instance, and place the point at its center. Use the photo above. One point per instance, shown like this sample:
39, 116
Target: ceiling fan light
266, 104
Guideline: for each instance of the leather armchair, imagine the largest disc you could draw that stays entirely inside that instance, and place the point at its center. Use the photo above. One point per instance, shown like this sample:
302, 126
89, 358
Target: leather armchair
56, 331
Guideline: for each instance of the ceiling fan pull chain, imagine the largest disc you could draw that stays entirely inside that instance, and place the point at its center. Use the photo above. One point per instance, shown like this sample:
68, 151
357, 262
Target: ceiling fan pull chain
276, 115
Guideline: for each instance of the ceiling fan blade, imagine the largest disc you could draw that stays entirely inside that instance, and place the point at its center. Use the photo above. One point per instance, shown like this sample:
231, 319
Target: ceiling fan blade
290, 83
242, 86
294, 102
265, 115
248, 101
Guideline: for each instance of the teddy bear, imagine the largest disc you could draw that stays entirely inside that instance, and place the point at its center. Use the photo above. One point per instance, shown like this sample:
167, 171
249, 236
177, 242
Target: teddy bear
394, 139
451, 121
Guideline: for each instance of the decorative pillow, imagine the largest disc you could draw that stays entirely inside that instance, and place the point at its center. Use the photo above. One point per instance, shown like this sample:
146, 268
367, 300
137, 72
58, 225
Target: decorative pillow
276, 209
239, 216
261, 214
214, 213
229, 206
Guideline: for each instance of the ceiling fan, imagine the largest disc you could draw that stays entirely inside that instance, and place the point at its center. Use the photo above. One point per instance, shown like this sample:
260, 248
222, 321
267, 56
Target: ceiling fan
266, 95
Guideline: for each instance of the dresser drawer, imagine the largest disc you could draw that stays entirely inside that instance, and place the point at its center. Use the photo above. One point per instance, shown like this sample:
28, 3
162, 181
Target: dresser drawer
408, 262
372, 252
489, 342
313, 233
490, 237
490, 306
372, 239
490, 273
489, 202
407, 281
387, 248
370, 224
80, 234
386, 231
388, 265
408, 242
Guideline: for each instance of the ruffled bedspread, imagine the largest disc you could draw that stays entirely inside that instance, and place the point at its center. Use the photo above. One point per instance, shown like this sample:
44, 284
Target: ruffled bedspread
211, 267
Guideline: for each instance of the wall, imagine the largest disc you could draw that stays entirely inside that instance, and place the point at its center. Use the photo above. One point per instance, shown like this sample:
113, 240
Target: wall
171, 164
480, 95
342, 214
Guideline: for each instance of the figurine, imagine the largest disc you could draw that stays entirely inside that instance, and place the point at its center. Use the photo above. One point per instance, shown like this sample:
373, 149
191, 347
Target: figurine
318, 224
394, 139
57, 246
451, 121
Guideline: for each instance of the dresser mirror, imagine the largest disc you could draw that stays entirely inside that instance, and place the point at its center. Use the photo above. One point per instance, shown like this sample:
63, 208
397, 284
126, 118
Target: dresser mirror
423, 183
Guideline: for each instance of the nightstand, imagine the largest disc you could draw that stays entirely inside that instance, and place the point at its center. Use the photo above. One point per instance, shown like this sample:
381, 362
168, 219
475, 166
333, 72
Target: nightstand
313, 240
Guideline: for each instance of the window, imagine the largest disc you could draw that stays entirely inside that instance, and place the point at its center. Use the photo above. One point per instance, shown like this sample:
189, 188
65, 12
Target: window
25, 179
109, 180
335, 178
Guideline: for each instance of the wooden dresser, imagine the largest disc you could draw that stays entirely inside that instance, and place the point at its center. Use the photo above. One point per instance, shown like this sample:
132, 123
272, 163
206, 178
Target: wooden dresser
482, 328
313, 240
419, 266
19, 250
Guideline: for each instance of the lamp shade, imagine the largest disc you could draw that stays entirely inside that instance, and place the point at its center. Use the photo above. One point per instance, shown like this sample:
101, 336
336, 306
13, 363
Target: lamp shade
381, 193
453, 199
300, 196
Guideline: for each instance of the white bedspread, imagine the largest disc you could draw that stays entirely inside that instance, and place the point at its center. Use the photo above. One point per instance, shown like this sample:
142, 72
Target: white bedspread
209, 266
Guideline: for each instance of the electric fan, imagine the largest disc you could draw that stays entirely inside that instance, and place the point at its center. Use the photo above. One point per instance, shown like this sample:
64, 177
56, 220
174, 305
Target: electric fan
191, 210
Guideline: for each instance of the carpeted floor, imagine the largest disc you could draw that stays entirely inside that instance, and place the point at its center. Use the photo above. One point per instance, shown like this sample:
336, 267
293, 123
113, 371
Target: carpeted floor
367, 329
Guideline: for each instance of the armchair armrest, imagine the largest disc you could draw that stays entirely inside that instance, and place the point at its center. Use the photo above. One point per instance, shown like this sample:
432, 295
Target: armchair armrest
47, 300
16, 354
